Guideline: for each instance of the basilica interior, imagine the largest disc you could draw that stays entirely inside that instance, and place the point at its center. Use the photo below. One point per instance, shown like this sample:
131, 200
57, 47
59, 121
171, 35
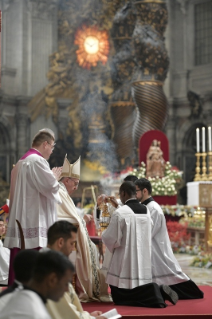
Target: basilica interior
126, 86
101, 74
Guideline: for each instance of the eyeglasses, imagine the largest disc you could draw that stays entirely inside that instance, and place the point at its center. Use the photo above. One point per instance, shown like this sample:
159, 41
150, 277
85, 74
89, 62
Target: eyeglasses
76, 184
52, 146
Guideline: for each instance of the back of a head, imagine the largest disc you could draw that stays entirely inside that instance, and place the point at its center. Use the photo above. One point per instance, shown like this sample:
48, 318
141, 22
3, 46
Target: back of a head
144, 183
51, 262
130, 178
43, 135
60, 229
128, 187
24, 263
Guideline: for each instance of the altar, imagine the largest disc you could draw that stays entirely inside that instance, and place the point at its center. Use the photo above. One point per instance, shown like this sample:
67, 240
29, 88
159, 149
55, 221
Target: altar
200, 194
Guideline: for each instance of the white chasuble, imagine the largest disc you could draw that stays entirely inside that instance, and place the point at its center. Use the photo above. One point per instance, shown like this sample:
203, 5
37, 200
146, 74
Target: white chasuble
68, 307
33, 197
128, 238
91, 285
165, 267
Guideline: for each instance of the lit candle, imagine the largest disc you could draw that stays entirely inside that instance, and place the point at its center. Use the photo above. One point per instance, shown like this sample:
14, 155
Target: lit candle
209, 139
203, 139
197, 139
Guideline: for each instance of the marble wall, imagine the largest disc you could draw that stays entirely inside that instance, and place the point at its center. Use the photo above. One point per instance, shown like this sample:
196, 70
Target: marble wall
29, 36
185, 76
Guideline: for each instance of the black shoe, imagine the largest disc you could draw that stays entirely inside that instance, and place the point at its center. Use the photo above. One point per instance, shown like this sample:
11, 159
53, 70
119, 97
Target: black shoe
169, 294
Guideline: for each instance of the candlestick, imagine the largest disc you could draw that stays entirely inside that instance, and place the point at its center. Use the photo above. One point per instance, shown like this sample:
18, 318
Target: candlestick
209, 139
203, 139
210, 166
204, 176
197, 140
197, 175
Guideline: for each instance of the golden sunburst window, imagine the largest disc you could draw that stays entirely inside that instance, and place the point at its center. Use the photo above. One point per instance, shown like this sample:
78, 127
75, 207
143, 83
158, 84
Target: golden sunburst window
93, 46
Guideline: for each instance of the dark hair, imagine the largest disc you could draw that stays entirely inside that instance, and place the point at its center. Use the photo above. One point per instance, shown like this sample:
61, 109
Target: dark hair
51, 262
130, 178
23, 264
144, 183
1, 219
42, 137
128, 187
60, 229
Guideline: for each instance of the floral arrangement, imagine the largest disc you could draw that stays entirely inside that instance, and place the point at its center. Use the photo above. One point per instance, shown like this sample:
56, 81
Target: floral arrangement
203, 260
166, 185
177, 234
190, 250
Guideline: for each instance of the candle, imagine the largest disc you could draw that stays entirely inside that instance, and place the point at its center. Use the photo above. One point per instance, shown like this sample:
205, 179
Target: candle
203, 139
197, 139
209, 139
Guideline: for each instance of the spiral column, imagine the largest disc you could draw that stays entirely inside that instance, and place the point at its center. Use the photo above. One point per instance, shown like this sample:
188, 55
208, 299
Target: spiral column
152, 66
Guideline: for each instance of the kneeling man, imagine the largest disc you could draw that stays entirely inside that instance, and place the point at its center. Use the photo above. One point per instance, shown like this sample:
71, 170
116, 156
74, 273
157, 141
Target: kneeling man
128, 237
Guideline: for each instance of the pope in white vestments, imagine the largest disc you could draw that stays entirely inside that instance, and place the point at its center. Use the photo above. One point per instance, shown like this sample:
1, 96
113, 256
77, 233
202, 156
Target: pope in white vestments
90, 284
33, 196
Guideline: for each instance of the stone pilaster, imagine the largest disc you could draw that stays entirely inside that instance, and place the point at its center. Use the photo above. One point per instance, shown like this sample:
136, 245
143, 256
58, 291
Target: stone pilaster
171, 134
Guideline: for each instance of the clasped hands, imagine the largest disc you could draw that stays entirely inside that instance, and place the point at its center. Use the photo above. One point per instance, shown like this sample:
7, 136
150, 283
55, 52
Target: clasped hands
57, 172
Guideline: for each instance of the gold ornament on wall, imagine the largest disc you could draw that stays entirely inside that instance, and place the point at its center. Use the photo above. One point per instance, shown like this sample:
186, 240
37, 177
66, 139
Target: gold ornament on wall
93, 46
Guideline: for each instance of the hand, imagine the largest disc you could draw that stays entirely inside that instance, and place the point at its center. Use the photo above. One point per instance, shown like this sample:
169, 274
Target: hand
96, 313
112, 200
57, 172
88, 218
101, 199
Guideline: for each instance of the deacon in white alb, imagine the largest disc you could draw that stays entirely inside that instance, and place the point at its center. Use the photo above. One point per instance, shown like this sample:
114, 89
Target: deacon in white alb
165, 267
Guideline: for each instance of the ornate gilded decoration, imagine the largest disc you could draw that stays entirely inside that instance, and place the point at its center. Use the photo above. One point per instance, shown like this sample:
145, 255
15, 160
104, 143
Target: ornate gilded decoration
131, 58
67, 80
105, 217
140, 60
93, 46
205, 195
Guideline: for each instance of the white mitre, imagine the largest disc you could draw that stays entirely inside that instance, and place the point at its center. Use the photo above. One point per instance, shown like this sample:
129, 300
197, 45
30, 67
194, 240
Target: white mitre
71, 170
